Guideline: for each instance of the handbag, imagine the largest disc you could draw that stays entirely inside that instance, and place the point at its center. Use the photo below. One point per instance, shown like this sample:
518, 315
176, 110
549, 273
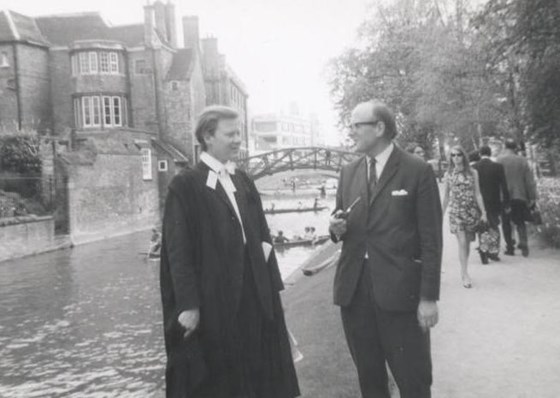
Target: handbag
481, 226
535, 215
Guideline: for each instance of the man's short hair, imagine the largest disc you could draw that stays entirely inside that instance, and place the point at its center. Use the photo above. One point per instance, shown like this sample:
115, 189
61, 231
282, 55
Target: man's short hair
382, 113
511, 144
485, 151
208, 121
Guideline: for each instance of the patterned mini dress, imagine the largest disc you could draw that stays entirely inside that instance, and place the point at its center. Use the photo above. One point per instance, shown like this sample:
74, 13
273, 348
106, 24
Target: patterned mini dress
463, 212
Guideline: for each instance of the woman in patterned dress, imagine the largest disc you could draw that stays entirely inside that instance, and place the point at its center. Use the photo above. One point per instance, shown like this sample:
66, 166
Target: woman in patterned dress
466, 208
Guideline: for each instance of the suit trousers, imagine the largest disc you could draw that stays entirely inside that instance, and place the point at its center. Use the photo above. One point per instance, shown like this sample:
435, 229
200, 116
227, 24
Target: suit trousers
376, 337
517, 216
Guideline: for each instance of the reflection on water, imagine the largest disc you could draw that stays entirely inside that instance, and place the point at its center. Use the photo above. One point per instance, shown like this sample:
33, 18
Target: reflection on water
86, 322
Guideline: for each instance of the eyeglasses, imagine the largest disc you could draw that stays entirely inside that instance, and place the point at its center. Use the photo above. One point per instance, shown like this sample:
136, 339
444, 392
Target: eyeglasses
456, 155
354, 126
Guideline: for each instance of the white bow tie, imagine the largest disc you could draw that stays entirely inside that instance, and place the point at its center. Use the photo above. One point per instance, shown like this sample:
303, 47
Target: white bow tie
229, 168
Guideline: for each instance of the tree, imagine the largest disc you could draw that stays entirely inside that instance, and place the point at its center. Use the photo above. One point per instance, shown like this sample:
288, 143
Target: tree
430, 66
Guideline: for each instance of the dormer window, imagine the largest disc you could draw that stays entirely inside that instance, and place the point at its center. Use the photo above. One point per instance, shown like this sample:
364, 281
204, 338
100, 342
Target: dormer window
4, 60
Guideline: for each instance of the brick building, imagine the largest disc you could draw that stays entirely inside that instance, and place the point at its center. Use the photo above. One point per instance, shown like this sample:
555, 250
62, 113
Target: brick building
123, 98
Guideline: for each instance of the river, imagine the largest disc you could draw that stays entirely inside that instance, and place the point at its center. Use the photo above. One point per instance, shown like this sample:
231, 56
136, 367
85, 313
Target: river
86, 322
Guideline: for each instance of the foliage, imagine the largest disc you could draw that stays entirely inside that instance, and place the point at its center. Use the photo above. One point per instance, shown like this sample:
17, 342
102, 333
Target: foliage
20, 153
429, 66
457, 75
549, 205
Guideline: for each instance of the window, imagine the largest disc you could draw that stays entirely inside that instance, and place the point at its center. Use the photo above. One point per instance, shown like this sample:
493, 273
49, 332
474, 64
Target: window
4, 60
117, 111
91, 112
140, 66
112, 111
114, 62
92, 62
94, 111
175, 86
104, 62
84, 63
146, 163
162, 165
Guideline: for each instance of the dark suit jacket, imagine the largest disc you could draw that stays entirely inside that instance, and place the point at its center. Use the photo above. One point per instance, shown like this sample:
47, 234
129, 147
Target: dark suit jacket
402, 234
202, 265
493, 186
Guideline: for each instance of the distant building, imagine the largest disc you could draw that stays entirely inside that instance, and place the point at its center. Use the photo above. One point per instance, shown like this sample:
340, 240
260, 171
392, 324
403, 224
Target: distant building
278, 131
124, 99
224, 87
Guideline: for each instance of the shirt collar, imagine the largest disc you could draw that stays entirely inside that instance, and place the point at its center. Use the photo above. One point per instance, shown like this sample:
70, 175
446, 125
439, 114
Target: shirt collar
383, 157
216, 165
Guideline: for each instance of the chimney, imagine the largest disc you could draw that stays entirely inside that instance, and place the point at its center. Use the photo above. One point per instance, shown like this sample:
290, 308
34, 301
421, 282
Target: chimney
171, 24
211, 56
149, 25
191, 32
161, 18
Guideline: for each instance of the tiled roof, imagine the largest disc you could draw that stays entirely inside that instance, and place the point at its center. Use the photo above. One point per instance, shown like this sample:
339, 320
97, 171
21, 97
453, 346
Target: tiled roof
130, 35
6, 32
15, 26
62, 30
182, 65
171, 150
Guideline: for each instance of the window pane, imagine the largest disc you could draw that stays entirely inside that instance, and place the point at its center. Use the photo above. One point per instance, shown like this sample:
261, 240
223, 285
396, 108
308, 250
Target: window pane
114, 63
86, 103
84, 63
93, 62
96, 112
104, 62
107, 111
146, 163
117, 111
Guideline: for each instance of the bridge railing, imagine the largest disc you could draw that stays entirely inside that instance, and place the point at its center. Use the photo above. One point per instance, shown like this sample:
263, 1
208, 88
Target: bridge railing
315, 158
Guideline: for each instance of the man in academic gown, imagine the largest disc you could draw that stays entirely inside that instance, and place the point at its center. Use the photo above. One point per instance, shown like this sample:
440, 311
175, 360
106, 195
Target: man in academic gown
225, 333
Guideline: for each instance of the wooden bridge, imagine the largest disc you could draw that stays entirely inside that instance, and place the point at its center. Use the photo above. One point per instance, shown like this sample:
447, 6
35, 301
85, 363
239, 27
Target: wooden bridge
289, 159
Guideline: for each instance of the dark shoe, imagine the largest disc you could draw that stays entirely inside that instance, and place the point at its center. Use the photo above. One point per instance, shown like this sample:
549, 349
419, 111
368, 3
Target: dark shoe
483, 257
525, 251
510, 252
494, 257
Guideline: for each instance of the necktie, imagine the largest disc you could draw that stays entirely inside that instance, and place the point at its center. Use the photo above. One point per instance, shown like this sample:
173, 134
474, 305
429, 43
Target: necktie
372, 176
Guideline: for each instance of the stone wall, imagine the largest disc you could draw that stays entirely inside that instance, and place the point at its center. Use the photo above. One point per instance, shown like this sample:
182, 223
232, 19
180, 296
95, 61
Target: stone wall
25, 236
107, 194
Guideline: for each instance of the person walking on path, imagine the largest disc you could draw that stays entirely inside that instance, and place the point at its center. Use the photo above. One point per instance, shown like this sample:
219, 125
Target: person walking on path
466, 207
225, 334
523, 196
495, 195
387, 279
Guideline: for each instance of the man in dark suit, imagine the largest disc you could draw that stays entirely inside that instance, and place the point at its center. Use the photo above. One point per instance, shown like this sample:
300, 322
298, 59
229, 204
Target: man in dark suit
523, 196
387, 280
493, 187
225, 334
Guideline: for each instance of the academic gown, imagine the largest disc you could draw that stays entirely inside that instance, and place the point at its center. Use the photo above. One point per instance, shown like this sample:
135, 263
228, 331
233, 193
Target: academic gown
241, 346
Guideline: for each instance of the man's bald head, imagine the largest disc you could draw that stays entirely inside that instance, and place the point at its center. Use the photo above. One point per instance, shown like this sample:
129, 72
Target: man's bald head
377, 111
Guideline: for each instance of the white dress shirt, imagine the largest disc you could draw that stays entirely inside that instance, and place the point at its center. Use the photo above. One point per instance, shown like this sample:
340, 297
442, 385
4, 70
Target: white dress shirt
380, 161
224, 172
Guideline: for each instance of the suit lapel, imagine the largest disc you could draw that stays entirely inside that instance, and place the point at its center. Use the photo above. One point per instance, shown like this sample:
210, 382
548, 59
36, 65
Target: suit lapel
219, 191
388, 173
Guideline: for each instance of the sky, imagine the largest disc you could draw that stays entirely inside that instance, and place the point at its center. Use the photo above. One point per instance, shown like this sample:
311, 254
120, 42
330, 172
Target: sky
279, 48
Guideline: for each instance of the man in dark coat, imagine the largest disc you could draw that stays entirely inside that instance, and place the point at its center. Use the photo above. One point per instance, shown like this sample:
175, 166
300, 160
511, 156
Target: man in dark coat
225, 333
522, 194
387, 280
493, 187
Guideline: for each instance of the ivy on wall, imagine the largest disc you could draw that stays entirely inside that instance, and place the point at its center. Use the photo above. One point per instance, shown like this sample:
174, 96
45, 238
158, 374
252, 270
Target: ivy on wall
20, 154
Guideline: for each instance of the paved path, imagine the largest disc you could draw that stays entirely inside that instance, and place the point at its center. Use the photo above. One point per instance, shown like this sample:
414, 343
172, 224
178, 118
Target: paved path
499, 339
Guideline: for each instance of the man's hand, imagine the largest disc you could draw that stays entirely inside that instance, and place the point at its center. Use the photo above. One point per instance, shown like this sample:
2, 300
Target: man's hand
189, 320
337, 224
427, 314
